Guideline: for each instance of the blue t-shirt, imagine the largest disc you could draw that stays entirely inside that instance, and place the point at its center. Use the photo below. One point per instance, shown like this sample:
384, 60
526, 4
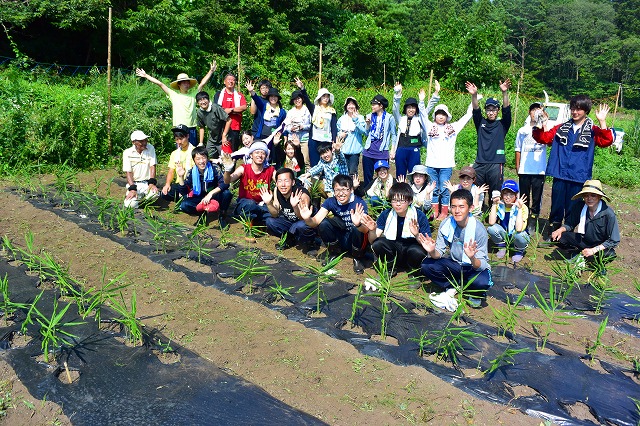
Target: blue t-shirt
423, 223
344, 211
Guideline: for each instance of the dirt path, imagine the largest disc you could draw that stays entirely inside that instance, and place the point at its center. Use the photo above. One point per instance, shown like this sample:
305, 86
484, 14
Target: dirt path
302, 367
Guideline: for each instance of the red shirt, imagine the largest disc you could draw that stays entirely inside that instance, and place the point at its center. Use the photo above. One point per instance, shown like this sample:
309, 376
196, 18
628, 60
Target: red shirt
251, 182
229, 102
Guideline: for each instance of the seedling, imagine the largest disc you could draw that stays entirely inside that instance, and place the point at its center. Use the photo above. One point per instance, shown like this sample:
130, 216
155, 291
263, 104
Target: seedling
65, 181
164, 233
226, 237
197, 240
505, 358
9, 248
251, 231
8, 307
105, 211
132, 325
507, 318
248, 264
568, 272
463, 293
278, 292
448, 341
52, 330
509, 240
553, 312
125, 216
316, 287
534, 244
591, 350
92, 302
165, 348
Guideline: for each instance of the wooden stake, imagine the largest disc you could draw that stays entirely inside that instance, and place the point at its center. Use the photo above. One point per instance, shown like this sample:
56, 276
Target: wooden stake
384, 77
239, 59
108, 87
66, 367
430, 82
615, 109
320, 69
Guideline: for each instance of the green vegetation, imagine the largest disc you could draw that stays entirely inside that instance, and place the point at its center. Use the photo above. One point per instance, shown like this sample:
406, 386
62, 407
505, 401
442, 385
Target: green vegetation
248, 264
507, 318
322, 276
553, 310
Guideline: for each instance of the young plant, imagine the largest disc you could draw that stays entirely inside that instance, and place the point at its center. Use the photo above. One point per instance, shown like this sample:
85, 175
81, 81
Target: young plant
251, 231
132, 325
53, 330
278, 292
505, 358
125, 217
65, 181
448, 341
568, 273
509, 240
93, 301
106, 207
463, 293
7, 307
9, 248
507, 318
553, 312
532, 249
591, 350
164, 233
225, 238
248, 264
198, 239
316, 287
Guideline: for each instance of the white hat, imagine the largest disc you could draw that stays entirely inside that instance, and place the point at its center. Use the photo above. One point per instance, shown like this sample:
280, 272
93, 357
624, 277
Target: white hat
259, 146
443, 108
138, 135
322, 92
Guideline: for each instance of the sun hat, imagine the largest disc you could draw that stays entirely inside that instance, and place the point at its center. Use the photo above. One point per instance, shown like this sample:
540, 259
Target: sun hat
350, 99
138, 135
410, 101
295, 95
492, 102
274, 92
183, 77
592, 186
443, 108
379, 99
511, 185
181, 128
379, 164
259, 146
321, 93
419, 168
467, 171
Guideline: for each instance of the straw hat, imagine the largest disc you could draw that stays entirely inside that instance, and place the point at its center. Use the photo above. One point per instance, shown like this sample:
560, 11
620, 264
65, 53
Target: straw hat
592, 186
183, 77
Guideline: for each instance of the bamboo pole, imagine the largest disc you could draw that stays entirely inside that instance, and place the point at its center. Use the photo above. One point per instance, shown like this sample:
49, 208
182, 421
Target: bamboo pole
239, 59
320, 69
384, 77
515, 109
615, 109
109, 84
430, 83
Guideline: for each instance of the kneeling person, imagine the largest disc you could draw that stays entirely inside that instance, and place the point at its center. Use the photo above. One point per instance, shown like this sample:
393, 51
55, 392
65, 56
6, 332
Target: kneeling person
459, 252
284, 207
393, 236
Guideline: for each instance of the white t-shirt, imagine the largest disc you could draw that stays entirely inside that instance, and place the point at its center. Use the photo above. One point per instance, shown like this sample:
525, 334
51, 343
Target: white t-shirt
533, 155
139, 164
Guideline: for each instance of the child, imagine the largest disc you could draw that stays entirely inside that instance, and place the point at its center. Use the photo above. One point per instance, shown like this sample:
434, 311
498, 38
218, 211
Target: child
393, 234
381, 136
441, 147
406, 148
508, 216
422, 188
378, 188
204, 190
183, 103
351, 129
467, 176
332, 163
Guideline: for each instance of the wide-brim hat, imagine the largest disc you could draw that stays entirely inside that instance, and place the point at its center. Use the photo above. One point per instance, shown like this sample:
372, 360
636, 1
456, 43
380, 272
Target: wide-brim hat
419, 168
379, 164
592, 186
274, 92
443, 108
379, 99
350, 99
321, 93
138, 135
410, 101
295, 95
183, 77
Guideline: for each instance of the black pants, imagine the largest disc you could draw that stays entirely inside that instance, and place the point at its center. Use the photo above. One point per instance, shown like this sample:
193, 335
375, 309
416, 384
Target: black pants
492, 175
234, 139
532, 186
575, 243
404, 251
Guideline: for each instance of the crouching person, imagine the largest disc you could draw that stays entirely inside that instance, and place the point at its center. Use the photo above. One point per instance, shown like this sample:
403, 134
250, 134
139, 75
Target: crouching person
458, 255
393, 236
339, 232
204, 190
139, 163
284, 207
592, 226
508, 220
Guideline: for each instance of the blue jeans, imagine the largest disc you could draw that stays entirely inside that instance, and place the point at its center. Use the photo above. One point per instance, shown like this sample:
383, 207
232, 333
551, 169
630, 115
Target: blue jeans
497, 234
406, 158
300, 230
561, 202
440, 192
441, 271
248, 207
314, 156
352, 163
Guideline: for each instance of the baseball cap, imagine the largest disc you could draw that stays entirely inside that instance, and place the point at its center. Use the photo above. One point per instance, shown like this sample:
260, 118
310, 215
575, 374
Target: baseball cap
379, 164
492, 102
467, 171
138, 135
511, 185
181, 128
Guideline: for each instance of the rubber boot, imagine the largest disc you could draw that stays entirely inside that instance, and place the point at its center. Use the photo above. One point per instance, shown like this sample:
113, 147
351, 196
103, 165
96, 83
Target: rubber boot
435, 211
444, 212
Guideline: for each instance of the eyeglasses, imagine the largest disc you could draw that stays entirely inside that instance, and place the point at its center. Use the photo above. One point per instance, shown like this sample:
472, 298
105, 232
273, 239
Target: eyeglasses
341, 190
491, 109
399, 201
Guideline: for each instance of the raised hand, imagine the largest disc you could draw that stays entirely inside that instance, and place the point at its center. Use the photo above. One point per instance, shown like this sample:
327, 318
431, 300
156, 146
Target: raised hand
421, 95
505, 85
213, 66
414, 228
483, 188
294, 139
436, 86
471, 88
398, 87
140, 72
447, 184
305, 211
180, 171
337, 145
521, 200
471, 248
249, 86
296, 197
426, 242
401, 179
276, 138
601, 113
356, 181
368, 222
299, 83
227, 161
357, 214
266, 195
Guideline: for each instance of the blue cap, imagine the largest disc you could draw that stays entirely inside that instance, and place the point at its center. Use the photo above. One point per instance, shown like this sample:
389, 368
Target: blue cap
380, 163
511, 185
492, 102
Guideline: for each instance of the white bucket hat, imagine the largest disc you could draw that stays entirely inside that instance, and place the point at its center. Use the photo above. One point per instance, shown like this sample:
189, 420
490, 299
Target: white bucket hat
322, 92
443, 108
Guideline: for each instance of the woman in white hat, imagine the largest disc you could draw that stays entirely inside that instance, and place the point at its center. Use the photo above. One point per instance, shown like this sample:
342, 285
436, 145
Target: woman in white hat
324, 121
183, 99
592, 226
441, 148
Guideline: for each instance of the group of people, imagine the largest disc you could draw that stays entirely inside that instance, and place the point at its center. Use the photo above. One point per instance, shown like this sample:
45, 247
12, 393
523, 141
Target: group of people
286, 152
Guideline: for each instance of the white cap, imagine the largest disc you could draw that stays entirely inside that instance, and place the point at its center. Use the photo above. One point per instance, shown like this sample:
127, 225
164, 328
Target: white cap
138, 135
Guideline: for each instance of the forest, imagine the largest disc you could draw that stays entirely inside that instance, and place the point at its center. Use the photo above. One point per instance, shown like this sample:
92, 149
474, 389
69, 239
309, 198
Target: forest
563, 46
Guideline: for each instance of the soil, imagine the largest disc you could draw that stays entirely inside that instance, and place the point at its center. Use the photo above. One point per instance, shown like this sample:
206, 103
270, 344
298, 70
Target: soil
302, 367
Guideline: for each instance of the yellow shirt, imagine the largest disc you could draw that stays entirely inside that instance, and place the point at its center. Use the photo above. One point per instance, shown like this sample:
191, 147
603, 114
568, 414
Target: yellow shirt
183, 158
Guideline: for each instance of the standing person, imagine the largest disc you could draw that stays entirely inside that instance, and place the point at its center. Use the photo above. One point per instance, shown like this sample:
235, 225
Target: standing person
139, 163
411, 133
393, 236
572, 150
284, 207
458, 255
351, 129
324, 121
441, 148
212, 117
531, 163
381, 136
272, 115
508, 217
180, 161
592, 225
183, 102
234, 104
490, 156
263, 90
339, 232
298, 124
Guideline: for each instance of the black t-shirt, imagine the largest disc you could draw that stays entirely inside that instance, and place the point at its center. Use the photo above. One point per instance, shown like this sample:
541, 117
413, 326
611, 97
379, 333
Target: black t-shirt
491, 136
286, 209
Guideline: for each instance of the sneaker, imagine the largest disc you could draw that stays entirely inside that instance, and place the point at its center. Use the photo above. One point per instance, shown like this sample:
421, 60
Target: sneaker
474, 302
358, 266
501, 253
517, 257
